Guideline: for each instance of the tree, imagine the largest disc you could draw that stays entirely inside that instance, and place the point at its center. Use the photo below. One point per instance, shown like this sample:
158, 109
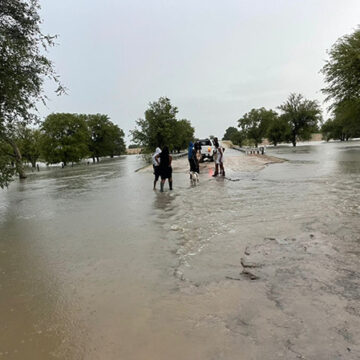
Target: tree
234, 135
342, 75
254, 124
65, 139
183, 133
344, 124
106, 138
160, 127
29, 141
7, 169
278, 130
23, 69
302, 117
342, 70
118, 146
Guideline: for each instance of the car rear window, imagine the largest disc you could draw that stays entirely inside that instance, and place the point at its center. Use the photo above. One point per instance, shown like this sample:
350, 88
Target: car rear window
205, 142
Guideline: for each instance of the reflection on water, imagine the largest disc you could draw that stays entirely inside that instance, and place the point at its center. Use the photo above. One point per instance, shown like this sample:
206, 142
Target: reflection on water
95, 264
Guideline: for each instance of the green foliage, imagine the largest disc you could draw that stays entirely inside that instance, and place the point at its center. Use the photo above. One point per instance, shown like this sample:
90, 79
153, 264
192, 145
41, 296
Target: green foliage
278, 131
342, 70
302, 117
116, 137
65, 139
345, 123
106, 138
255, 123
183, 133
342, 75
23, 69
234, 135
160, 127
7, 170
29, 141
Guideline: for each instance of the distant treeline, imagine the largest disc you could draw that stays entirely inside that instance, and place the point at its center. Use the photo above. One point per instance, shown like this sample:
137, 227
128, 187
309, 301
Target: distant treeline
67, 138
299, 117
297, 120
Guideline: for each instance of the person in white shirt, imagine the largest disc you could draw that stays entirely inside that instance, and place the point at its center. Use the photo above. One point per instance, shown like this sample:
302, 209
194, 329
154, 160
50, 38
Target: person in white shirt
219, 158
156, 166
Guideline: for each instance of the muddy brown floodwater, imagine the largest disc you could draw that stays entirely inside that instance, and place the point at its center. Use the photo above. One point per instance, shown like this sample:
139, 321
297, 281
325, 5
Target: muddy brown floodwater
96, 265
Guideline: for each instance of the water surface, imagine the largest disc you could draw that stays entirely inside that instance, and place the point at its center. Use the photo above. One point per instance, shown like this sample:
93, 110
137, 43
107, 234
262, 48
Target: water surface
95, 264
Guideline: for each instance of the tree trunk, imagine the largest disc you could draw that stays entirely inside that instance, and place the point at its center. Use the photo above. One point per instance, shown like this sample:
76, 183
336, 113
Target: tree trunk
93, 159
18, 160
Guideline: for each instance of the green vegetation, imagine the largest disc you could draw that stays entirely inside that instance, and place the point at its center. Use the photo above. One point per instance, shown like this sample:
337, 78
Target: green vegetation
24, 67
299, 118
62, 138
278, 130
255, 123
160, 127
69, 138
65, 138
106, 138
342, 75
234, 135
302, 117
29, 141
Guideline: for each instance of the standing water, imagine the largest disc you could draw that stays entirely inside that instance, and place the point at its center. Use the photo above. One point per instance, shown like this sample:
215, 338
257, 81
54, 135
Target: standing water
94, 264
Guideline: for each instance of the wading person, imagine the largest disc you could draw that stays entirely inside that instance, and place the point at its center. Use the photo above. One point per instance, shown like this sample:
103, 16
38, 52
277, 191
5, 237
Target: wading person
219, 162
156, 166
194, 165
190, 155
197, 147
164, 160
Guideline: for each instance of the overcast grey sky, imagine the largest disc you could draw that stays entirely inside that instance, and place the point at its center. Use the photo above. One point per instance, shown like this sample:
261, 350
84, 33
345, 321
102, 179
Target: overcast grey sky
215, 60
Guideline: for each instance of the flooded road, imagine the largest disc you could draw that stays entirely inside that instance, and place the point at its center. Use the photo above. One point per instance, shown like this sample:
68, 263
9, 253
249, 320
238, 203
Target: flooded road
96, 265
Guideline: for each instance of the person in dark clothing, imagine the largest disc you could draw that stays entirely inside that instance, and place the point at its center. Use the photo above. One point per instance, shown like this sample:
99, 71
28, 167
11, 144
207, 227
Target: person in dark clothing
194, 166
190, 155
164, 160
197, 147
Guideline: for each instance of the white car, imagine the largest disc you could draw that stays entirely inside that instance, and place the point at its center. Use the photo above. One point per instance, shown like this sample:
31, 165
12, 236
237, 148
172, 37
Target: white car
207, 149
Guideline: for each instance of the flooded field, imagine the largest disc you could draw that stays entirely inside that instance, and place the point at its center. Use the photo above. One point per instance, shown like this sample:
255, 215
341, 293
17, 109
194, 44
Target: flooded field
94, 264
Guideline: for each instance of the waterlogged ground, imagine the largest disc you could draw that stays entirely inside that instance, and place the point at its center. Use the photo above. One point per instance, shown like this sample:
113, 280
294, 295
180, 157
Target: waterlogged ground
96, 265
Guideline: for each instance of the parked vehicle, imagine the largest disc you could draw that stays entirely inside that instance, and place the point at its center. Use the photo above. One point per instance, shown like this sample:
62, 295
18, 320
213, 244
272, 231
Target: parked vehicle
207, 149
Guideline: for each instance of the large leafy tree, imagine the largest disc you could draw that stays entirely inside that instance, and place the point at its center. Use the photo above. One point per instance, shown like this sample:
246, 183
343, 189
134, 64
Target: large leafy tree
342, 70
278, 130
23, 69
342, 75
160, 126
302, 117
29, 141
255, 123
65, 138
234, 135
106, 138
118, 146
345, 122
183, 133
